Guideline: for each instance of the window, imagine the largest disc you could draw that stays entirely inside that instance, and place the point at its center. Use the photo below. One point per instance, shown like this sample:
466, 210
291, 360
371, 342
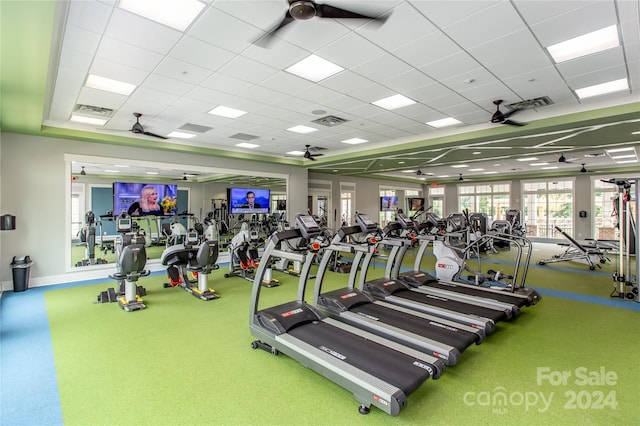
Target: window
347, 195
548, 204
436, 200
492, 199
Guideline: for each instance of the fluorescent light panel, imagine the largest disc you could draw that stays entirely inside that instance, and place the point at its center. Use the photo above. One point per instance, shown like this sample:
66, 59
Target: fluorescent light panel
314, 68
528, 159
354, 141
627, 161
109, 85
247, 145
88, 120
604, 88
301, 129
295, 153
176, 14
459, 166
539, 164
223, 111
449, 121
394, 102
617, 157
586, 44
181, 135
616, 150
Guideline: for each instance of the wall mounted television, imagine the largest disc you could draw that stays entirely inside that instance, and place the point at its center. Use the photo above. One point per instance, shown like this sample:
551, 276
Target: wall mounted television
388, 203
128, 196
416, 204
241, 203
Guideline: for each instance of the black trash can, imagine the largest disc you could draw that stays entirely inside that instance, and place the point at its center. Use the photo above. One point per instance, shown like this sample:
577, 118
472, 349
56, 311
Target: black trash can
20, 266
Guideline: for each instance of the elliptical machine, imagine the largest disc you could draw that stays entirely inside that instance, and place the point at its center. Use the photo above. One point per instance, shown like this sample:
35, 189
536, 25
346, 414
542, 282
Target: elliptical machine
88, 237
244, 257
131, 259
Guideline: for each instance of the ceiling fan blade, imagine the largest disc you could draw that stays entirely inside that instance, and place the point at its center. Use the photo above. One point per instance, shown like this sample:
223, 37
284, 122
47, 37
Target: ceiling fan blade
510, 113
513, 123
316, 155
154, 135
327, 11
267, 38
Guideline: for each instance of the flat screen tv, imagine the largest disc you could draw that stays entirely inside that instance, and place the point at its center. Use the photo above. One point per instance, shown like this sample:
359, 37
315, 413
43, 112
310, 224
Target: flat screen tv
388, 203
249, 200
281, 204
416, 204
142, 199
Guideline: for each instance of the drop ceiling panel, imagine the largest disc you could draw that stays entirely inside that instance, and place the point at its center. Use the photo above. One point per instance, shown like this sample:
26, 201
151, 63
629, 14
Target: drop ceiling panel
534, 14
597, 77
593, 16
81, 40
403, 24
182, 71
429, 48
264, 14
285, 82
591, 63
92, 16
141, 32
116, 71
223, 30
314, 34
448, 12
406, 81
124, 53
100, 98
201, 54
493, 22
248, 70
280, 56
350, 50
345, 81
166, 84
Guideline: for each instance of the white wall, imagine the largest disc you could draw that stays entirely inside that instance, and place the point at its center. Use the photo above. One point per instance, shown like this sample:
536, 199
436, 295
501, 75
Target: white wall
34, 182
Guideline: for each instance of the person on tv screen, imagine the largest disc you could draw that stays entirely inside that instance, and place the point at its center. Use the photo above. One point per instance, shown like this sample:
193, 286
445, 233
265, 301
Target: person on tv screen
251, 201
147, 204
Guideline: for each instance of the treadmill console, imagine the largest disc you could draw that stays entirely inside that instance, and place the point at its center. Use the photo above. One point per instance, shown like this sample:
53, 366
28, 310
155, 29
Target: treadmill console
404, 221
124, 225
308, 226
365, 223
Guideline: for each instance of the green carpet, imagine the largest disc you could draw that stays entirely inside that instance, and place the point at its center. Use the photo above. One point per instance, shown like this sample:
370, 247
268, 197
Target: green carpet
186, 361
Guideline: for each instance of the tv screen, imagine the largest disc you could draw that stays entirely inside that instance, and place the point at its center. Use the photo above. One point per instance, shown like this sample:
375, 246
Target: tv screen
388, 203
281, 204
249, 200
142, 199
416, 204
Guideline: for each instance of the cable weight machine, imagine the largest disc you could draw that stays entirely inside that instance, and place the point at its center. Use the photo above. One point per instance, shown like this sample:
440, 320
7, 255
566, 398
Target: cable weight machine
625, 285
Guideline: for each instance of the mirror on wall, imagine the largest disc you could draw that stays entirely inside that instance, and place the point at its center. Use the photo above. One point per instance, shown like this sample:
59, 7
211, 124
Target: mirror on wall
186, 194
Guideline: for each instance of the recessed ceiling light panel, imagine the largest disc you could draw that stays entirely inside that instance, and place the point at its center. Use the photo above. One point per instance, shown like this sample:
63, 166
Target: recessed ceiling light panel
301, 129
223, 111
354, 141
394, 102
602, 89
314, 68
175, 14
586, 44
109, 85
449, 121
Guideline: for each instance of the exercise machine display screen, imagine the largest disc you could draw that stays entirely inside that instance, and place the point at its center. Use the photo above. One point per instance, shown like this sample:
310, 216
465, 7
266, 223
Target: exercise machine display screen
404, 220
308, 226
365, 223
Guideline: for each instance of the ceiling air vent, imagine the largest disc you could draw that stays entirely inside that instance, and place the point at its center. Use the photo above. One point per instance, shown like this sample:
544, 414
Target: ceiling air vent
190, 127
330, 121
94, 111
243, 137
531, 103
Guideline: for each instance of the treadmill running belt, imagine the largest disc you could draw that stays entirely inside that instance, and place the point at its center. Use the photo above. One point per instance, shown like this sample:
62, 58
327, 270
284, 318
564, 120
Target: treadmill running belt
452, 305
506, 298
389, 365
459, 339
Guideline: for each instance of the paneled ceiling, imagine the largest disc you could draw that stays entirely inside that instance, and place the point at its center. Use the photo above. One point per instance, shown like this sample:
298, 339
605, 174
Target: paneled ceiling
452, 58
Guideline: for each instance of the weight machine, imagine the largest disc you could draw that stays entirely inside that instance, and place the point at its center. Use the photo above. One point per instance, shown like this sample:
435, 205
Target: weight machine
88, 237
625, 285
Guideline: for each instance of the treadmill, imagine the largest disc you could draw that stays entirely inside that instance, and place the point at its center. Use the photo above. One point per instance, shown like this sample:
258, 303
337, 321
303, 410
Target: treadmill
439, 337
377, 371
417, 278
397, 293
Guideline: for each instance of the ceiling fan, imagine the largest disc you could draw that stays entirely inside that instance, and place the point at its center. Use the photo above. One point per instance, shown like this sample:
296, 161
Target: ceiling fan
564, 159
302, 10
499, 117
309, 155
138, 129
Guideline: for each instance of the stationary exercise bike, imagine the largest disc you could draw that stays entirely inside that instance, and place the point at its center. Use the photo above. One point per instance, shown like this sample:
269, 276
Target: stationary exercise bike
244, 257
131, 259
88, 237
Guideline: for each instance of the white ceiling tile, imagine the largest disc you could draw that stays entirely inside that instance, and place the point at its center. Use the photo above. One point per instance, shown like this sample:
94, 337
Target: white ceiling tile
100, 98
403, 24
248, 70
591, 63
285, 82
115, 71
124, 53
90, 15
218, 28
181, 71
406, 81
196, 52
263, 14
80, 40
141, 32
350, 50
317, 94
382, 67
166, 84
449, 66
429, 48
226, 83
593, 16
488, 24
262, 94
211, 97
280, 56
156, 96
370, 93
343, 103
533, 12
76, 61
345, 81
448, 12
313, 34
425, 93
615, 72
